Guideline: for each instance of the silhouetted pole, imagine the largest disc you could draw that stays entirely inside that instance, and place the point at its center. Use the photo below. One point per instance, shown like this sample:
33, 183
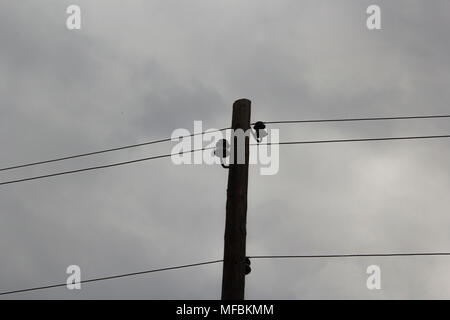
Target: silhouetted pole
233, 278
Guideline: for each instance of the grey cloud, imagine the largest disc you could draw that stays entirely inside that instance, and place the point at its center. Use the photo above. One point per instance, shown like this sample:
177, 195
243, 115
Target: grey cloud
139, 70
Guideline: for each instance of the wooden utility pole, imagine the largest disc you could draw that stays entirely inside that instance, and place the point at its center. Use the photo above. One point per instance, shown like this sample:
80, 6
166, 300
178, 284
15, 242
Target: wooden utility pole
233, 278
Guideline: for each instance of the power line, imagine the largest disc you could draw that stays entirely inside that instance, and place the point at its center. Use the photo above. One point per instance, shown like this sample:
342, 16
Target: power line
63, 158
354, 140
113, 277
356, 255
357, 119
124, 275
104, 151
102, 166
209, 148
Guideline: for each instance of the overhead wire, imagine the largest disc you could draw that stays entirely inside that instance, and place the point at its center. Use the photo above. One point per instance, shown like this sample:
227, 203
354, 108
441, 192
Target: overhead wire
80, 155
314, 256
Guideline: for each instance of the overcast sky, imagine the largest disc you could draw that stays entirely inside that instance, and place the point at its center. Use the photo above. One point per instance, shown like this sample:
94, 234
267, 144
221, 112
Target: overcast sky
140, 69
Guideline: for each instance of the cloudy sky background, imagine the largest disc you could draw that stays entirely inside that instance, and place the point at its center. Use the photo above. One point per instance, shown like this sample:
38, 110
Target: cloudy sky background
140, 69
